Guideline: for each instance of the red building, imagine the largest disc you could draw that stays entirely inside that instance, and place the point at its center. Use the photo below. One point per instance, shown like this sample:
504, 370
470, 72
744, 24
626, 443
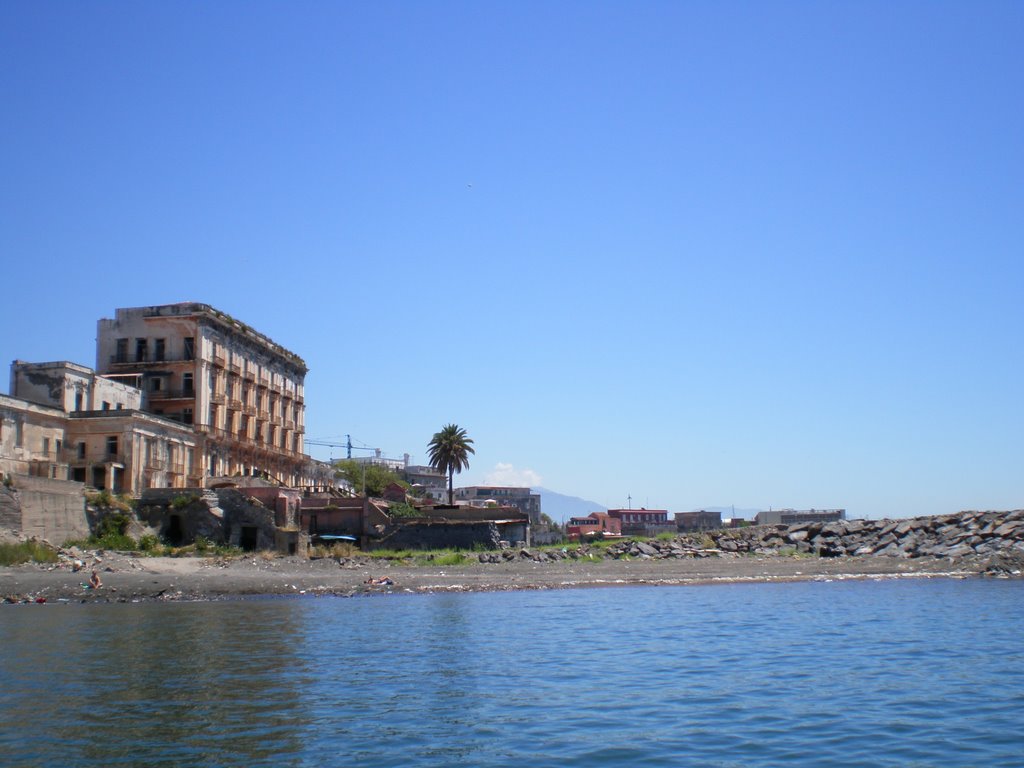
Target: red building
594, 523
643, 522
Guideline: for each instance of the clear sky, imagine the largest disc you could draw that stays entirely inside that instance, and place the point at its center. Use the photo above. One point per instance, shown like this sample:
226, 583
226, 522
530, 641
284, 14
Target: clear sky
768, 254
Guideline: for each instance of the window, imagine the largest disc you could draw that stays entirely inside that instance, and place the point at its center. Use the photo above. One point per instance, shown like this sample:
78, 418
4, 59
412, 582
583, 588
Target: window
186, 415
46, 446
112, 445
141, 349
106, 406
78, 400
190, 348
58, 445
187, 384
160, 351
81, 450
121, 351
19, 433
155, 384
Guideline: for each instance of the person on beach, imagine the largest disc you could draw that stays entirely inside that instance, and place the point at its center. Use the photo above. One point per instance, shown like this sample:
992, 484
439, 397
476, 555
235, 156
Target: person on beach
94, 581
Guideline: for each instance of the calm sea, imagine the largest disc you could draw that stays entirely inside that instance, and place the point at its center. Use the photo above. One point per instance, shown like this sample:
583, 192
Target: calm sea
922, 673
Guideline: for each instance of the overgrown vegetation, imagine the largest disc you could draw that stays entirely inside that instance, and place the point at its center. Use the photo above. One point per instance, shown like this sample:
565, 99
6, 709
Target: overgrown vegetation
106, 500
16, 554
445, 557
178, 503
336, 550
403, 509
373, 477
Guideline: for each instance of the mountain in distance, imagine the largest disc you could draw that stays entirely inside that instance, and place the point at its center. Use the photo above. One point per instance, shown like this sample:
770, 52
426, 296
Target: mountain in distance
560, 507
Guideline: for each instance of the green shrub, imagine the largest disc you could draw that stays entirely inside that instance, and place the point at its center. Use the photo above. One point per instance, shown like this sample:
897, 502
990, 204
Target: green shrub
450, 558
149, 543
182, 501
16, 554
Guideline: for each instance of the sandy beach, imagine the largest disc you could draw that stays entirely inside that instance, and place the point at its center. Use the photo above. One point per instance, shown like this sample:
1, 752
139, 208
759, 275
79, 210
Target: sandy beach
126, 578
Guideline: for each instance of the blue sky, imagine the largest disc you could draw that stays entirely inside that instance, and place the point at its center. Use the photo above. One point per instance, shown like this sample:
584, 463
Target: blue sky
696, 253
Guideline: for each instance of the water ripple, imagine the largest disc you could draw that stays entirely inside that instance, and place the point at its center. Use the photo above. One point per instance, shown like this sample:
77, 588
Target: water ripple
814, 674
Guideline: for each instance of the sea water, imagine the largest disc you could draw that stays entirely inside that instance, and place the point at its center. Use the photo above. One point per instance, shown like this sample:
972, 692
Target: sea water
846, 673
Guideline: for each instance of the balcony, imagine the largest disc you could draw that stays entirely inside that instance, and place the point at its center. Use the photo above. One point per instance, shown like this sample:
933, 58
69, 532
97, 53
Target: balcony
236, 404
249, 374
155, 462
264, 415
122, 361
249, 409
172, 394
218, 360
218, 397
289, 424
235, 367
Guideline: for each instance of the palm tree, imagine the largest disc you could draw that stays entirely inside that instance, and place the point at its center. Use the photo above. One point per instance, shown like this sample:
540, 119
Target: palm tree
449, 452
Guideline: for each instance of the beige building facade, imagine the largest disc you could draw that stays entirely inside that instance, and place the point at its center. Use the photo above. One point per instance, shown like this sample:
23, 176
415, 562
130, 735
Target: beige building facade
64, 422
240, 392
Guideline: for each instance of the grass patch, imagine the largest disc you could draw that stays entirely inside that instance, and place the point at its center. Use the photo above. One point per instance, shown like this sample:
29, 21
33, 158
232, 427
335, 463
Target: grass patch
337, 550
28, 551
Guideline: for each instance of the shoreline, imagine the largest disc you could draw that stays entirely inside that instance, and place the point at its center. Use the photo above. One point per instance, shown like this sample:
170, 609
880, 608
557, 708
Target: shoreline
130, 579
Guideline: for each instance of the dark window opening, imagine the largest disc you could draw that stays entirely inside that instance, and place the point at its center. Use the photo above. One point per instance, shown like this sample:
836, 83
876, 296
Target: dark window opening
141, 349
190, 348
121, 352
112, 446
160, 351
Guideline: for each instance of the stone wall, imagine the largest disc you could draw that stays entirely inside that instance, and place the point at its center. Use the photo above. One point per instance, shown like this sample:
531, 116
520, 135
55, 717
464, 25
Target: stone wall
45, 509
442, 535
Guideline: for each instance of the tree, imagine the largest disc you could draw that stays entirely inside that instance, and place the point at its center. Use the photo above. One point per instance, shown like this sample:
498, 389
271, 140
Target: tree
449, 452
374, 478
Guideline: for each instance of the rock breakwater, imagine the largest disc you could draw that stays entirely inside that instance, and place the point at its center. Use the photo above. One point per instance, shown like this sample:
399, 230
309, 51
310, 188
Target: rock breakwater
998, 536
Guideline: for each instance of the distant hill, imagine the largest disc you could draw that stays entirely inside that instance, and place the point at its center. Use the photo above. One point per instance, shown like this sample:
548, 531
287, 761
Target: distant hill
560, 507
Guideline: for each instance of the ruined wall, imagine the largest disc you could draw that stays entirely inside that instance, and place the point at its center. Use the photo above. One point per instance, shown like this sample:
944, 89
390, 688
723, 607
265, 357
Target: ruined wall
431, 535
49, 509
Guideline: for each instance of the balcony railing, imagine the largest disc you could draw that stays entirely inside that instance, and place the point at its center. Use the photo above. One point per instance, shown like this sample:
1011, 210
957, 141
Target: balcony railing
249, 374
236, 404
234, 367
249, 409
172, 394
218, 397
219, 360
149, 359
289, 424
72, 456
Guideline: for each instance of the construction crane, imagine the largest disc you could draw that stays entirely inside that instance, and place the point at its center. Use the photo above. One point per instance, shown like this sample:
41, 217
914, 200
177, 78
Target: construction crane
347, 445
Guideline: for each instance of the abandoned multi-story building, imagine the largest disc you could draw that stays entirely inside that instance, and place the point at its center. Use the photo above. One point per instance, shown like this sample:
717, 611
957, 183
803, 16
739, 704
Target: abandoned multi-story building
64, 422
237, 390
